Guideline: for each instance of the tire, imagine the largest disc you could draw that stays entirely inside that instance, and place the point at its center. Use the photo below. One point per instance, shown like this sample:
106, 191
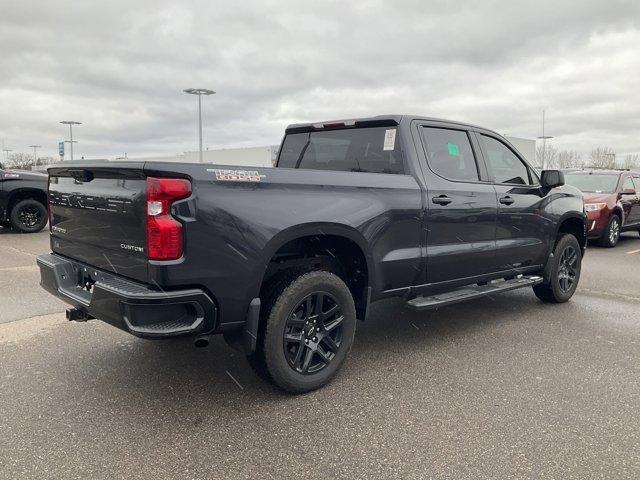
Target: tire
308, 325
565, 272
611, 233
28, 216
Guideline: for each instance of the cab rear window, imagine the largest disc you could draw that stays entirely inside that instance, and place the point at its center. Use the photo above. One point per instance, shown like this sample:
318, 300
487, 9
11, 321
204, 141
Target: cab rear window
374, 150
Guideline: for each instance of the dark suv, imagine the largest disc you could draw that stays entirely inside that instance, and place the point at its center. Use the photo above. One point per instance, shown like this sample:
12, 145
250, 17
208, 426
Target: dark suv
611, 200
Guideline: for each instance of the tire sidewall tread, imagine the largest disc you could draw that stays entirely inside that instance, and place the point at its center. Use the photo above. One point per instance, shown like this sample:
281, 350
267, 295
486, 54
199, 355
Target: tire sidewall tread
550, 292
604, 241
15, 220
285, 298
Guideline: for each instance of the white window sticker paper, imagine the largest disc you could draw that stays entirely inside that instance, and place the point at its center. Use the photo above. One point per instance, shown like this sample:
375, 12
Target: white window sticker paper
389, 139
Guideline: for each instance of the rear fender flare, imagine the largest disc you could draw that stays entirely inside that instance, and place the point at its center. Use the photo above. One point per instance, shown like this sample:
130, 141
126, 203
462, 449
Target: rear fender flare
23, 193
307, 230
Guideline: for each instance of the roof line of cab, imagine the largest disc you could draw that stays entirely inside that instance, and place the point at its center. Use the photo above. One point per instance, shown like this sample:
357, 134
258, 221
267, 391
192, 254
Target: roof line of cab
598, 170
379, 120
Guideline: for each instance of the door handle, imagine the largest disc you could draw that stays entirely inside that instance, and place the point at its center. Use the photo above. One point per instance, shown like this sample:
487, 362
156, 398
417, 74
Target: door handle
506, 200
441, 200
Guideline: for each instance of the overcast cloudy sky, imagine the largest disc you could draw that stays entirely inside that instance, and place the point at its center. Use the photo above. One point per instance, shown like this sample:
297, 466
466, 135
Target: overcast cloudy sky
120, 67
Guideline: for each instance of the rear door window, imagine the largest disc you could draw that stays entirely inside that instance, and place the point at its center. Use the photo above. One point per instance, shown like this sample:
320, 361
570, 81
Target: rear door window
450, 154
374, 150
504, 165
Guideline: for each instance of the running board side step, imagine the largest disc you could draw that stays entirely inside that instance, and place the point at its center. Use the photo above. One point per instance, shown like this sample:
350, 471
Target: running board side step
473, 291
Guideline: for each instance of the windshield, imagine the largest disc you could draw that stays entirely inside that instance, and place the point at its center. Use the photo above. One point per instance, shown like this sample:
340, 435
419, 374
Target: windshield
592, 183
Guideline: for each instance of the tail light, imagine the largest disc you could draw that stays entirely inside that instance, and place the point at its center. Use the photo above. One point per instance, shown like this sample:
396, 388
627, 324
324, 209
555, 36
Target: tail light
164, 233
49, 214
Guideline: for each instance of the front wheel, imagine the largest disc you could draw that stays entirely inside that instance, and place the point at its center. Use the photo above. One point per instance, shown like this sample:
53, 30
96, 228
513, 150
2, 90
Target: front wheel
611, 233
309, 327
28, 216
565, 272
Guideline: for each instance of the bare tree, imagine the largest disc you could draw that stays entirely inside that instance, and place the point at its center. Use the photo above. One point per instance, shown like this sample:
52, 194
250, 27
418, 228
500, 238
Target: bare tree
20, 161
23, 161
632, 161
602, 157
569, 159
546, 157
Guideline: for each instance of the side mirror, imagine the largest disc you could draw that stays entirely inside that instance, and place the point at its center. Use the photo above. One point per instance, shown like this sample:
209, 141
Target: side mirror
628, 191
552, 178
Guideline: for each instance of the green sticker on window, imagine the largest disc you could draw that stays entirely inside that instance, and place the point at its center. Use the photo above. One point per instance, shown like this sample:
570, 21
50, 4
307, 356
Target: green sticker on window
453, 149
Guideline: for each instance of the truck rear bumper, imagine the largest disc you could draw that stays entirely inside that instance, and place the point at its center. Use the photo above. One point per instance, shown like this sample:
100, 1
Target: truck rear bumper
130, 306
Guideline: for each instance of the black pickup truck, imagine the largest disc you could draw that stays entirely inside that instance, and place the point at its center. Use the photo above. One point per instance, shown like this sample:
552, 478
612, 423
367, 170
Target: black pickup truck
282, 261
23, 200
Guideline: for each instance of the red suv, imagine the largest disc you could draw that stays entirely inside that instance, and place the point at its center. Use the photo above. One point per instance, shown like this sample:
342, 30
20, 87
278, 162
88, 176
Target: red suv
611, 201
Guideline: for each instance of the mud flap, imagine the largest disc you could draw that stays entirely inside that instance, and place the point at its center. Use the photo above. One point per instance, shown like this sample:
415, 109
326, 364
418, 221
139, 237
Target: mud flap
546, 273
250, 331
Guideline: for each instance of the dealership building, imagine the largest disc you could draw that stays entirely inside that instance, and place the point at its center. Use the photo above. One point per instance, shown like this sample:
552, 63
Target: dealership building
526, 146
266, 156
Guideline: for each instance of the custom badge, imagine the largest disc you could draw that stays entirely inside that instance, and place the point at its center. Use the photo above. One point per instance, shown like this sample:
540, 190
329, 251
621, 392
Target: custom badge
223, 175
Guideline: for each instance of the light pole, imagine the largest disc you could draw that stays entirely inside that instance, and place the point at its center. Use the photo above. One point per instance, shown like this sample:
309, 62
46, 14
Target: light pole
71, 123
199, 92
544, 144
35, 156
6, 153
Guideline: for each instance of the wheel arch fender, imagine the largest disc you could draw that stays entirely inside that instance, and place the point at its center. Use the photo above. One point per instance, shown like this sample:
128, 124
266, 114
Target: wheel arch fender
572, 218
618, 210
308, 230
570, 222
25, 193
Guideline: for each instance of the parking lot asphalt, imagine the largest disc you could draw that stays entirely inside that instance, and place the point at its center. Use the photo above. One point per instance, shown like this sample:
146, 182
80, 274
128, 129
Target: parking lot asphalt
500, 387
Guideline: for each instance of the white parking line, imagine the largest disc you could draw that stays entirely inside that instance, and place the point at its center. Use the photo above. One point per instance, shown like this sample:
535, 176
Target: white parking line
23, 268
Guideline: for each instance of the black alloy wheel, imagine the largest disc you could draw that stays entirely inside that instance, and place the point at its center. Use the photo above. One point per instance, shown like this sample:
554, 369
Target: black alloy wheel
313, 333
563, 274
308, 323
567, 269
28, 216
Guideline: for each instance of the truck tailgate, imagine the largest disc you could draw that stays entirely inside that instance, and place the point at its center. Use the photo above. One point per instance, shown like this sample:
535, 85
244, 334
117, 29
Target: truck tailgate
98, 216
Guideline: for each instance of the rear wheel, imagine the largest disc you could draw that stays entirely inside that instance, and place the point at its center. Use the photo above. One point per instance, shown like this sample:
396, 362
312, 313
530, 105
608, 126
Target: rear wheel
565, 272
28, 216
309, 325
611, 232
